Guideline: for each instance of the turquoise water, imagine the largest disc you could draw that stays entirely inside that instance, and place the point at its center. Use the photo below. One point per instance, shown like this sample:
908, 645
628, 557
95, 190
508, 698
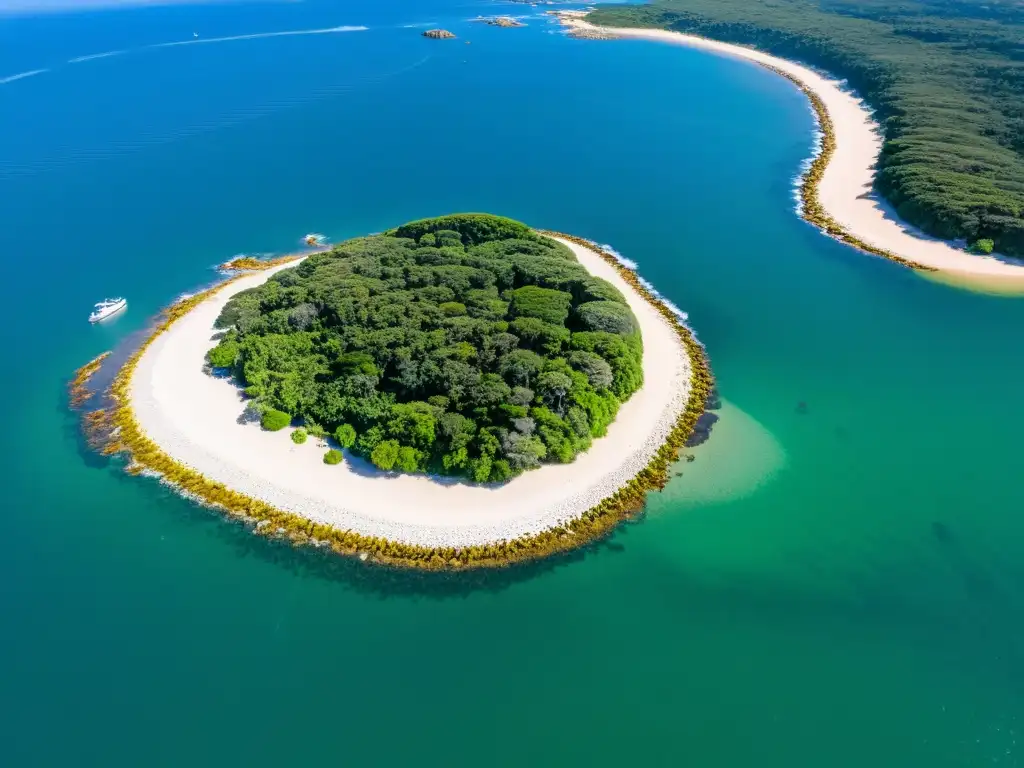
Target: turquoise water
838, 584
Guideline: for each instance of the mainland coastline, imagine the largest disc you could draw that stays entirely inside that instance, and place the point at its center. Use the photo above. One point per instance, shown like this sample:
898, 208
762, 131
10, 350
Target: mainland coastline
179, 423
836, 191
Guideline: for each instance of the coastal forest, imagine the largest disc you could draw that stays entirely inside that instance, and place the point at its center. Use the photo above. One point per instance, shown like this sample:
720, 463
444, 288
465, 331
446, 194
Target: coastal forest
946, 78
462, 345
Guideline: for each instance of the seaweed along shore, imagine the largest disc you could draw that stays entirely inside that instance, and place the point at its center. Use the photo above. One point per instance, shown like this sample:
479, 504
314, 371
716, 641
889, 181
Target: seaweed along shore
119, 433
811, 209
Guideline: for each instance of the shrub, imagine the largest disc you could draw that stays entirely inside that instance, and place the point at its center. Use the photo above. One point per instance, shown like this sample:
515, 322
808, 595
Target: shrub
345, 435
225, 353
299, 436
501, 471
273, 420
983, 246
333, 457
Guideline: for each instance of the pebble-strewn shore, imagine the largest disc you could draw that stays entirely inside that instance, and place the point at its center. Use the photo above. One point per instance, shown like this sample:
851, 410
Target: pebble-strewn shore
405, 520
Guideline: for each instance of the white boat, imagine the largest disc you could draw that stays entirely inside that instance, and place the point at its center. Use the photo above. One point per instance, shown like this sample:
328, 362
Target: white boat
106, 308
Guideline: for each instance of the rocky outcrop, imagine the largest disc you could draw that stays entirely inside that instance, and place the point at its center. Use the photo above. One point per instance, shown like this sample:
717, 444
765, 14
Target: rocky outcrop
590, 34
438, 34
500, 21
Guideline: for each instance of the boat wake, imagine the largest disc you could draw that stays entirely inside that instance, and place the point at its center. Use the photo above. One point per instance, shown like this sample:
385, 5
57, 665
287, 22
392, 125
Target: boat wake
21, 76
90, 57
261, 35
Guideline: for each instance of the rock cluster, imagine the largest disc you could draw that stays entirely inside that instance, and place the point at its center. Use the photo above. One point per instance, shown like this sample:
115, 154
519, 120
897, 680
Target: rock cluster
438, 34
500, 21
581, 33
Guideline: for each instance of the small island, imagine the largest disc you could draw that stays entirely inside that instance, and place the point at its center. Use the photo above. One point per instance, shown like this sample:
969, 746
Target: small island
456, 392
455, 346
438, 34
500, 21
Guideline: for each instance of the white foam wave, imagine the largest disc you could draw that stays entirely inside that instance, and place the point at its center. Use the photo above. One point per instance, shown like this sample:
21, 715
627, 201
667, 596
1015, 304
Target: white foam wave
22, 75
260, 35
91, 56
630, 264
817, 137
419, 25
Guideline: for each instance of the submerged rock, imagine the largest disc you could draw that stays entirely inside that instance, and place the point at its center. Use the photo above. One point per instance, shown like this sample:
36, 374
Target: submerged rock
942, 532
714, 401
438, 34
702, 429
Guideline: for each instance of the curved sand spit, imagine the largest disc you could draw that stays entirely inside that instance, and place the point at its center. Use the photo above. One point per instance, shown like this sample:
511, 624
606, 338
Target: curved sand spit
846, 187
193, 417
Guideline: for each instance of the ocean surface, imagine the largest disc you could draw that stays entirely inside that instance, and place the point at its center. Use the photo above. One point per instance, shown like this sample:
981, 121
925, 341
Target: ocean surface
835, 581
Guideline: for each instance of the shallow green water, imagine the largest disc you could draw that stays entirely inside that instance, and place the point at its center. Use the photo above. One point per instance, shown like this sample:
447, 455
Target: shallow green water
834, 585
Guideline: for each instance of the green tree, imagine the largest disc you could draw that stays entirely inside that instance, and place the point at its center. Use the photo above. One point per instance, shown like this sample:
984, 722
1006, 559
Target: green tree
299, 436
542, 303
225, 353
333, 457
408, 459
385, 455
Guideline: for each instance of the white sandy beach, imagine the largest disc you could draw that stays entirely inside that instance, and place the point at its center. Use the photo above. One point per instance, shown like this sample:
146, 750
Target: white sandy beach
845, 190
193, 417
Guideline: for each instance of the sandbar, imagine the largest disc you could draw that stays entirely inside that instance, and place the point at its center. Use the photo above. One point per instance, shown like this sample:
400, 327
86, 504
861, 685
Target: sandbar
194, 418
845, 189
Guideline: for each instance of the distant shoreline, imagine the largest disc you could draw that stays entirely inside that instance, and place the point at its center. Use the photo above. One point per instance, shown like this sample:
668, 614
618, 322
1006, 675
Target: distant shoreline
836, 191
179, 423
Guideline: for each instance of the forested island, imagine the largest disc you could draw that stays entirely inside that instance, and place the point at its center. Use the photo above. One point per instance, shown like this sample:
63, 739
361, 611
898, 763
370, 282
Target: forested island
946, 80
462, 345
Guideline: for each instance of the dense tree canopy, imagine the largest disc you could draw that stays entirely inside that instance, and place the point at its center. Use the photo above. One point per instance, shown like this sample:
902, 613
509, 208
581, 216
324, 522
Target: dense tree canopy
461, 345
946, 77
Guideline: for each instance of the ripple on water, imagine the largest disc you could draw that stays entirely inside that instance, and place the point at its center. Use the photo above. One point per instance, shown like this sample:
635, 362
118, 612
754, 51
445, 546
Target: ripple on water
739, 457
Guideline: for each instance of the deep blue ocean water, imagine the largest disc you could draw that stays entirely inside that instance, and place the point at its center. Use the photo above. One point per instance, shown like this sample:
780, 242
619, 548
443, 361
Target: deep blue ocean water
834, 583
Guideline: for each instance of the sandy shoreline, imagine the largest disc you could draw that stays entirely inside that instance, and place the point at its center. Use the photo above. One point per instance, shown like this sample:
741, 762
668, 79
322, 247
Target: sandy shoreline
193, 418
845, 189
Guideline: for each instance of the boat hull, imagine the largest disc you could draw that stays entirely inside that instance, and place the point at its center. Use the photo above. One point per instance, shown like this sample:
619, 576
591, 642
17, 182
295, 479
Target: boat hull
96, 317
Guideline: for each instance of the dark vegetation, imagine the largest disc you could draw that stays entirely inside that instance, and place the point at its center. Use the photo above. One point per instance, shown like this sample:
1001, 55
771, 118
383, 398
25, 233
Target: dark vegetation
945, 76
464, 345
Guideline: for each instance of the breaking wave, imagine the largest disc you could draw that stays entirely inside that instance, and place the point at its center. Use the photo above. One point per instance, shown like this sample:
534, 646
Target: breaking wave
630, 264
260, 35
